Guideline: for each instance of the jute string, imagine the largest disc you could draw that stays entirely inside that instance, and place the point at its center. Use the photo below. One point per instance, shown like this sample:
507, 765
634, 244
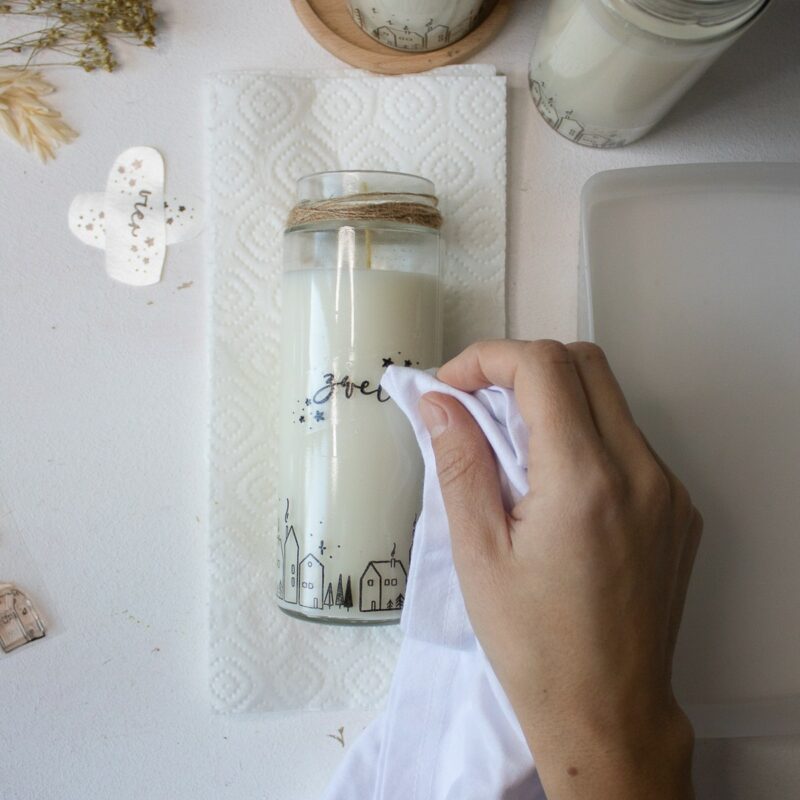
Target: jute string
368, 207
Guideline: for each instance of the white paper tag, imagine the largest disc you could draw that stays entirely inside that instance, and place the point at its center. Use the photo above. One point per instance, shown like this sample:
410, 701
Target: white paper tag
136, 236
133, 220
87, 218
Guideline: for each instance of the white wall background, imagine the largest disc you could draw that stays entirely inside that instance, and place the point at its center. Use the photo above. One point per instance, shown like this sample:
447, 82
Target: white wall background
103, 410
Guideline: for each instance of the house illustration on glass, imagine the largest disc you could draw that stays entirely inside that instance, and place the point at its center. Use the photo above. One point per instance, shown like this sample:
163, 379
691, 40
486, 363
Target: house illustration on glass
437, 36
400, 38
291, 551
382, 586
312, 582
570, 128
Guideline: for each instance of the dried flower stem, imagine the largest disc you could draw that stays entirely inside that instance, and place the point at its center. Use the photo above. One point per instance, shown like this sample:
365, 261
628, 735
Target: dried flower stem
26, 118
80, 30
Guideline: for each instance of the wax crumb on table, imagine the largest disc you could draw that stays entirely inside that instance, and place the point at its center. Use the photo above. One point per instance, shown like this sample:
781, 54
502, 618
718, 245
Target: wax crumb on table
130, 617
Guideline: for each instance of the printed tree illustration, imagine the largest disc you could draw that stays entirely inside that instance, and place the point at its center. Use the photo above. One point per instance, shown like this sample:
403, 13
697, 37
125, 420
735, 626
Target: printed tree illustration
348, 595
339, 593
400, 601
279, 561
328, 601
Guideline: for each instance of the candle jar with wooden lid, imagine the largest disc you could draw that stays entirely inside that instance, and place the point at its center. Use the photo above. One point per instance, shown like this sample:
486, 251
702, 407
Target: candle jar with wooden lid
360, 293
419, 25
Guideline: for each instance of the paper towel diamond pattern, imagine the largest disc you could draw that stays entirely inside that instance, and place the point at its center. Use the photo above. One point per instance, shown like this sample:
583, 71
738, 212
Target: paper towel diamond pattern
362, 149
267, 106
263, 132
447, 164
339, 105
410, 107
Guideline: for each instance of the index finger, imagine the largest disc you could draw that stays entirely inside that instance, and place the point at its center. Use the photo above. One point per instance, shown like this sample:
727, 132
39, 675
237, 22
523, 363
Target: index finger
547, 386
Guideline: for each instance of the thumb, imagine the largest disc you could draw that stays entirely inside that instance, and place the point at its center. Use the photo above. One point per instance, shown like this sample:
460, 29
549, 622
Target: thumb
468, 479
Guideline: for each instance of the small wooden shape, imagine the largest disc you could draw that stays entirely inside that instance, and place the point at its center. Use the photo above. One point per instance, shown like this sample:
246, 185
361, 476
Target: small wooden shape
330, 23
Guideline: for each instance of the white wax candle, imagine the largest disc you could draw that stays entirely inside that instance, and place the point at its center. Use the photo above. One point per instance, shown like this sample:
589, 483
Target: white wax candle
604, 72
416, 24
351, 472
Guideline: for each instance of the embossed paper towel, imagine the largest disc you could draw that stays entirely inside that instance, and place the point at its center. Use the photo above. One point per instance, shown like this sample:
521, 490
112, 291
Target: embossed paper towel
264, 131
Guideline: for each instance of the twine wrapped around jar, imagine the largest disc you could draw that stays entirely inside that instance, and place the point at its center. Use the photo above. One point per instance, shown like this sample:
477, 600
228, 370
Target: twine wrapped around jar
370, 207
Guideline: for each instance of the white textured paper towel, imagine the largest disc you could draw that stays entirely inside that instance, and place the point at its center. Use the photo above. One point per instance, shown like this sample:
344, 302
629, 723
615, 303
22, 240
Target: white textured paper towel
264, 131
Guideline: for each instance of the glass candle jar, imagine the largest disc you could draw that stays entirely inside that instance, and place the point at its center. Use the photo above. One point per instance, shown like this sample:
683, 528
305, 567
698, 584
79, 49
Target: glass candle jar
360, 292
418, 24
604, 72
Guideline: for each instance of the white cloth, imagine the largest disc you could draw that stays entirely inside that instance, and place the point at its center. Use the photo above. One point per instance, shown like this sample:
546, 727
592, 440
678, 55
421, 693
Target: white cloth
448, 731
264, 130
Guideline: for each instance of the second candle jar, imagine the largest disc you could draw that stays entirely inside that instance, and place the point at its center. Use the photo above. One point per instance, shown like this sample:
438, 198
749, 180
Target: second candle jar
360, 293
604, 72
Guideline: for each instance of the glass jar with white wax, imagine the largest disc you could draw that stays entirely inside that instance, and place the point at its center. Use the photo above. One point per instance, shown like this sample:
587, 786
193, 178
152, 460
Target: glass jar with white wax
419, 25
360, 293
604, 72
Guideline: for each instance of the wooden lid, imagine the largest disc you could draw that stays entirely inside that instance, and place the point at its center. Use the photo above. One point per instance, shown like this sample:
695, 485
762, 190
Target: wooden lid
330, 23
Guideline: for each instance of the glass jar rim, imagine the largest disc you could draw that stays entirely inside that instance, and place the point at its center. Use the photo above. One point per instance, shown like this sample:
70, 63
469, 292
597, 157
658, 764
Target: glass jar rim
704, 13
343, 183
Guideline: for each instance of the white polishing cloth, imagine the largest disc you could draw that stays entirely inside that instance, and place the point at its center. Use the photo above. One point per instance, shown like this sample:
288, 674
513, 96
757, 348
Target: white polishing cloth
264, 131
448, 730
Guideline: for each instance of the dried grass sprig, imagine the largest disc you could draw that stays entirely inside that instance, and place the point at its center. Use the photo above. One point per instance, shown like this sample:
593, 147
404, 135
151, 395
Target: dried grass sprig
79, 32
26, 118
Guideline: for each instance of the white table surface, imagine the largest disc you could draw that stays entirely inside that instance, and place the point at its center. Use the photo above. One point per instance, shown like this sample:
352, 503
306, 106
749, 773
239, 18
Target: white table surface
103, 397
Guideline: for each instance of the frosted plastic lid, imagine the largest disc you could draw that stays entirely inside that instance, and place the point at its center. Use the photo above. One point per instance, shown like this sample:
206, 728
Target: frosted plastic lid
691, 284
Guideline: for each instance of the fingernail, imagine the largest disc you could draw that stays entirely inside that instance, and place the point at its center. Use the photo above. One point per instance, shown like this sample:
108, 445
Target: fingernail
433, 415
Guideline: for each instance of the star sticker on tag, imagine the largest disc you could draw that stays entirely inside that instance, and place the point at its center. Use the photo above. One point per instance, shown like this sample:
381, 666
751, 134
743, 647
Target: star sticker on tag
129, 220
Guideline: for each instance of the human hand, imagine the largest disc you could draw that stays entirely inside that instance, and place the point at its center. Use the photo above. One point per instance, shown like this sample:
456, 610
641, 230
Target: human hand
576, 595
